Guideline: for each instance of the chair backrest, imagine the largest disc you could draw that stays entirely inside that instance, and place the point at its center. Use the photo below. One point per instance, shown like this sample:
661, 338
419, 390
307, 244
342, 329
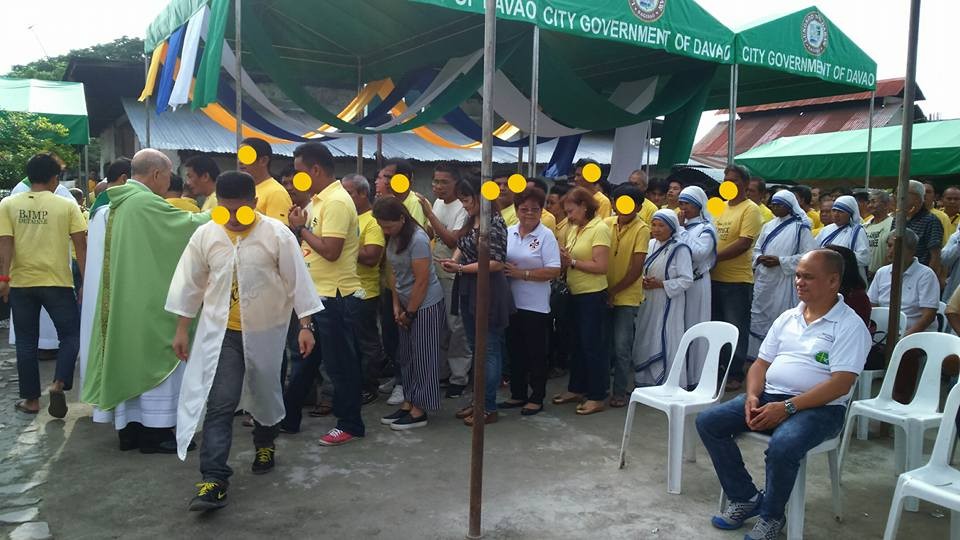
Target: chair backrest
942, 448
880, 316
937, 347
942, 318
717, 334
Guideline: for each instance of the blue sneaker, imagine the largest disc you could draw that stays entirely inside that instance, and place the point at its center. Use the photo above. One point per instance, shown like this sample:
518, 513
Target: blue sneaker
736, 513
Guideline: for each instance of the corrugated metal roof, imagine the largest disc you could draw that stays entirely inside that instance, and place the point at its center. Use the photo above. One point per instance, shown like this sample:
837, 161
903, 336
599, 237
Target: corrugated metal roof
757, 129
885, 88
184, 129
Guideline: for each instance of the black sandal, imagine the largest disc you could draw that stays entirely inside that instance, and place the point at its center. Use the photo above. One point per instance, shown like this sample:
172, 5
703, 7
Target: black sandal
22, 408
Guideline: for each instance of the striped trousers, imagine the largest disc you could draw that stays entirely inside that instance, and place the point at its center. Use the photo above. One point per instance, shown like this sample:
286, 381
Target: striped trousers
418, 355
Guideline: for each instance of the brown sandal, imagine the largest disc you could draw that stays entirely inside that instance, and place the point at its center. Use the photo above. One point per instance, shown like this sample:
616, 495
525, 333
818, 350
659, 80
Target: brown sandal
324, 409
488, 418
584, 410
560, 399
464, 412
618, 401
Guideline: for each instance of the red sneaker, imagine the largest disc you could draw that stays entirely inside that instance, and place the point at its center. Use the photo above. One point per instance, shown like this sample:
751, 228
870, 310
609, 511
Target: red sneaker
336, 437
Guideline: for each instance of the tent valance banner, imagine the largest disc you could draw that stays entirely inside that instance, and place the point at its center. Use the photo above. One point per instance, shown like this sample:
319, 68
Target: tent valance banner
60, 102
808, 44
842, 155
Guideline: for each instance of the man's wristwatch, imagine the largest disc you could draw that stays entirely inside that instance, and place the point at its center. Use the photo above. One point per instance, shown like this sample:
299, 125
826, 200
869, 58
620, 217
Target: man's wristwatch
307, 327
791, 408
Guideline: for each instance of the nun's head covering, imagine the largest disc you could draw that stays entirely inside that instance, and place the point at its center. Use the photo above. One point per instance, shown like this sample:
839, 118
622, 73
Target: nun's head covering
670, 218
785, 198
849, 205
696, 196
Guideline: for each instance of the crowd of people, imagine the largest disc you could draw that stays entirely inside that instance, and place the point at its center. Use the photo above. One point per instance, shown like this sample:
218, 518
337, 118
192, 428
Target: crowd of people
266, 286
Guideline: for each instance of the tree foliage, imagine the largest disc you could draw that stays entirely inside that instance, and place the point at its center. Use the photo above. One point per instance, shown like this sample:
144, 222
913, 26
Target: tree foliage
53, 68
21, 136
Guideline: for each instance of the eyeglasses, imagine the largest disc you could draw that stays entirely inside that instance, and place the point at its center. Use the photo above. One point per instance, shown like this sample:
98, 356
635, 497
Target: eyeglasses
527, 210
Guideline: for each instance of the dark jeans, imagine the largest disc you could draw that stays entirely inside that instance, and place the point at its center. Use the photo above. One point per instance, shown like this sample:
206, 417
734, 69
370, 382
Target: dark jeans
61, 304
589, 369
388, 330
789, 444
336, 328
493, 364
368, 343
303, 374
222, 401
731, 303
561, 332
619, 331
527, 338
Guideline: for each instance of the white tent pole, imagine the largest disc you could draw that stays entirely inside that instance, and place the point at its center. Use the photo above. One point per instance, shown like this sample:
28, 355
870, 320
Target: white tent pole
146, 102
359, 135
873, 97
534, 102
239, 68
732, 122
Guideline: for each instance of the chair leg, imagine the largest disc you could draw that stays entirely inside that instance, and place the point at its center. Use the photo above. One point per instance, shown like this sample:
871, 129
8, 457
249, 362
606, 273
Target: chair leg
723, 501
676, 426
896, 508
690, 439
914, 458
833, 458
627, 428
845, 442
899, 450
796, 504
863, 423
954, 525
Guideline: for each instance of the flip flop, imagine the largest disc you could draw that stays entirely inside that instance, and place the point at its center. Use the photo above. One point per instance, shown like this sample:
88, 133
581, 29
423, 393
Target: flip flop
20, 407
58, 404
560, 400
587, 412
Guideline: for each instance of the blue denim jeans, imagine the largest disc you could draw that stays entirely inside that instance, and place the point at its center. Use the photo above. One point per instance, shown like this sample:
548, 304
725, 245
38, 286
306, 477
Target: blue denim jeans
731, 303
789, 443
61, 304
222, 401
619, 331
589, 369
493, 366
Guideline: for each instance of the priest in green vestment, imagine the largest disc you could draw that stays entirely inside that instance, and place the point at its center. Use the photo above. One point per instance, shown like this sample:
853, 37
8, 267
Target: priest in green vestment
130, 372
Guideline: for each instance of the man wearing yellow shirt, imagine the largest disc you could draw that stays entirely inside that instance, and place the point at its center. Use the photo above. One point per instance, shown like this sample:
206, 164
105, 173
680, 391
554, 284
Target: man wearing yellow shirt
372, 243
35, 272
175, 196
806, 200
638, 178
603, 203
950, 200
732, 278
333, 240
505, 201
546, 217
629, 239
555, 207
272, 200
202, 172
409, 198
758, 194
949, 227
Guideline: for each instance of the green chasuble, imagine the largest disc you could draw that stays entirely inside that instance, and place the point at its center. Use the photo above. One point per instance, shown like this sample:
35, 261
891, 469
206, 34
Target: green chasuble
130, 346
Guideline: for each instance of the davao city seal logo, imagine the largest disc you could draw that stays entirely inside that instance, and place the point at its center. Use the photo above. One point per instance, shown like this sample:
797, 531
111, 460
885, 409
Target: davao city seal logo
647, 10
814, 33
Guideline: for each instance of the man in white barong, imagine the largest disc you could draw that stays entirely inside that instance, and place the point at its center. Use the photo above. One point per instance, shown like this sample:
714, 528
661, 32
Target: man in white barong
667, 275
847, 231
247, 273
701, 235
781, 244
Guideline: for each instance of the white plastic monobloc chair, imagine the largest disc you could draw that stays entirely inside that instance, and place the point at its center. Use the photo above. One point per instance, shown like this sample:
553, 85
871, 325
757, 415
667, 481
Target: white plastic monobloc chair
936, 481
941, 320
879, 316
682, 405
796, 504
916, 417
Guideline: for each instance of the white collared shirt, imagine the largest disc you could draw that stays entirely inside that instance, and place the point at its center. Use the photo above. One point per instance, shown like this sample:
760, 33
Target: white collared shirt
921, 289
538, 249
804, 355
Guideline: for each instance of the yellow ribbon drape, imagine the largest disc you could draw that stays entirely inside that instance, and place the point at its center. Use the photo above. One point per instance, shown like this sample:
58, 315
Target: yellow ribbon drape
158, 54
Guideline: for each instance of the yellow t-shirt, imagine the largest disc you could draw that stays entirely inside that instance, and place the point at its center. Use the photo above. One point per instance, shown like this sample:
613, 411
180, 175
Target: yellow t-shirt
273, 200
740, 221
210, 203
563, 227
370, 235
580, 244
765, 213
647, 209
625, 240
605, 210
549, 221
814, 216
948, 227
412, 202
233, 317
333, 215
509, 215
184, 203
41, 224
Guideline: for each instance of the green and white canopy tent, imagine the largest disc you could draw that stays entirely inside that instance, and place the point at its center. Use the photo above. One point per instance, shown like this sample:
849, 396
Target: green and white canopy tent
60, 102
842, 156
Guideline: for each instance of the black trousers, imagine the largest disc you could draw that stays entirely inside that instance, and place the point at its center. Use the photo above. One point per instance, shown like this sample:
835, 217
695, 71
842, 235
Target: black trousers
527, 338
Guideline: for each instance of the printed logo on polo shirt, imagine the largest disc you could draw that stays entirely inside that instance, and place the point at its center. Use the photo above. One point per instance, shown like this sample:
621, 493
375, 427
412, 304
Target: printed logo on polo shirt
822, 357
534, 244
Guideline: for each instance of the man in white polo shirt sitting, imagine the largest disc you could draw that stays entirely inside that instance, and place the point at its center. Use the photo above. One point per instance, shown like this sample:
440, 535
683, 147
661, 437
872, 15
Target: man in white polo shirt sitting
796, 391
919, 300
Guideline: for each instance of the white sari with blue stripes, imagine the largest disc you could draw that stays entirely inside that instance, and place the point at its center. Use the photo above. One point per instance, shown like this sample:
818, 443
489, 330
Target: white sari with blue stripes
660, 321
701, 236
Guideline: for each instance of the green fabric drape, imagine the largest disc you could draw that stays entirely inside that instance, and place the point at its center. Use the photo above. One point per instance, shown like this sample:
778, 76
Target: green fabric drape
208, 75
680, 127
